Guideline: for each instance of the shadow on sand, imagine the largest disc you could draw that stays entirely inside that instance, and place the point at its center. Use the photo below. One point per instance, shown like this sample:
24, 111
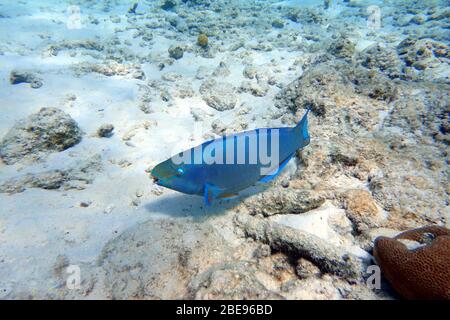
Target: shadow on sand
181, 205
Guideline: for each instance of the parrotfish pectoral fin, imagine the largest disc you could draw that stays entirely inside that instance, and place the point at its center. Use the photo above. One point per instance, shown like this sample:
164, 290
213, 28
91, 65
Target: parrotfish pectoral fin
210, 192
272, 176
228, 196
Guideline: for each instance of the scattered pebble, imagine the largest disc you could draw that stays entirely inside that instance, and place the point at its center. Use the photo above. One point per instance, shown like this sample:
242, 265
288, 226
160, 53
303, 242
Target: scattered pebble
105, 131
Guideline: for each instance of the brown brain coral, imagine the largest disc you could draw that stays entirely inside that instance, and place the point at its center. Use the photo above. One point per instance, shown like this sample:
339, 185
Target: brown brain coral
421, 273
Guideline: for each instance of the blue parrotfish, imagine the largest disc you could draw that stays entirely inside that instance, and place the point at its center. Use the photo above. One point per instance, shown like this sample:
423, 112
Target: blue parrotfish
220, 168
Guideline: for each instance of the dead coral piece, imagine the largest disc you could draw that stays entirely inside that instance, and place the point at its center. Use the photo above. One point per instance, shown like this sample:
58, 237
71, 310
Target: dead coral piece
218, 95
329, 86
279, 200
55, 49
421, 273
176, 52
342, 48
105, 131
300, 244
361, 209
425, 59
230, 281
76, 176
110, 69
424, 53
144, 263
17, 77
381, 58
48, 130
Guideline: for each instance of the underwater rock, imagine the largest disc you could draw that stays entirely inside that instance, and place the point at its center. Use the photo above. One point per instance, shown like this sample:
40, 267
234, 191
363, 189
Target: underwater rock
428, 58
183, 91
168, 5
198, 114
218, 95
75, 176
171, 76
361, 209
176, 52
422, 111
306, 269
109, 69
398, 158
250, 72
298, 244
253, 88
421, 273
17, 77
418, 19
303, 93
440, 14
423, 53
55, 49
341, 85
305, 15
235, 281
48, 130
278, 24
412, 170
202, 73
381, 58
222, 70
105, 131
132, 271
342, 48
279, 200
219, 128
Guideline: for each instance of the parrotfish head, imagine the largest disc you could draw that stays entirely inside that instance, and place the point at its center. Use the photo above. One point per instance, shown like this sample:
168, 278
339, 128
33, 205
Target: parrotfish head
179, 177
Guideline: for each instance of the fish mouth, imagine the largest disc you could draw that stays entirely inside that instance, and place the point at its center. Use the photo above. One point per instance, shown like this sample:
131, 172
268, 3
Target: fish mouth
155, 179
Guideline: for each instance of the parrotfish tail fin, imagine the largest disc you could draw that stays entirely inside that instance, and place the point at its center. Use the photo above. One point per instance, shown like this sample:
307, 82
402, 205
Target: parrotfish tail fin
301, 129
273, 175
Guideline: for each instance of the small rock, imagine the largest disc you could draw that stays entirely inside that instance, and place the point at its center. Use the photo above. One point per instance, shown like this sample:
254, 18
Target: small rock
418, 19
109, 209
278, 24
278, 200
48, 130
17, 77
85, 204
218, 95
168, 5
176, 52
202, 73
342, 48
361, 209
105, 131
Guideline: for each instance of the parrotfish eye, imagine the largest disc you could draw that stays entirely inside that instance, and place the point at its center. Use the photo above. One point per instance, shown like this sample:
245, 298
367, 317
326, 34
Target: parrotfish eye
180, 171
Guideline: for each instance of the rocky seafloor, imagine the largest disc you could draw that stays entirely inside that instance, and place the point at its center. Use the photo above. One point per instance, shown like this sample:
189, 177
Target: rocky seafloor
93, 96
